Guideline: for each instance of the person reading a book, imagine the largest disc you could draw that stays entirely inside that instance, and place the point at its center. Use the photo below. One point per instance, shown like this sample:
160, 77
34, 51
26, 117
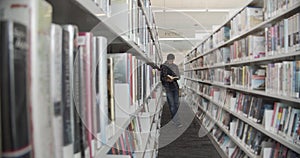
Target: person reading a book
169, 76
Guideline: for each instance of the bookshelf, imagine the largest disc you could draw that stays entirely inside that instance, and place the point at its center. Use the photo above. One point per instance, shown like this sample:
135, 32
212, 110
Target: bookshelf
233, 138
259, 27
214, 73
87, 19
247, 91
89, 118
250, 122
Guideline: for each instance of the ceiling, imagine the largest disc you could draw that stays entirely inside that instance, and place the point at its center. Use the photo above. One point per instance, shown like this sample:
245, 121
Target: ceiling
183, 23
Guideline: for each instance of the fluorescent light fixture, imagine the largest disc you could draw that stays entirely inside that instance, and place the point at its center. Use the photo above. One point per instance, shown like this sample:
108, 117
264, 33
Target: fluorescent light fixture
179, 39
101, 14
191, 10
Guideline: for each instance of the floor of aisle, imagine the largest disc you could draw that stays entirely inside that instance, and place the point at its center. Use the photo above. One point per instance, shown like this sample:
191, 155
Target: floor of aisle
183, 142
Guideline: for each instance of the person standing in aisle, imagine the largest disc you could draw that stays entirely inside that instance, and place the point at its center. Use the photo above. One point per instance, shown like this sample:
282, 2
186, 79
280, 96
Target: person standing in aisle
169, 76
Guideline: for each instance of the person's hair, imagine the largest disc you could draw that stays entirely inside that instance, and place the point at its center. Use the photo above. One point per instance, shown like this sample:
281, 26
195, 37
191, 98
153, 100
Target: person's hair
170, 57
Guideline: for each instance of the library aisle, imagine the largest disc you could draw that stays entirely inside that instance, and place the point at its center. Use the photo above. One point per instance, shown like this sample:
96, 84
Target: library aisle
83, 78
188, 143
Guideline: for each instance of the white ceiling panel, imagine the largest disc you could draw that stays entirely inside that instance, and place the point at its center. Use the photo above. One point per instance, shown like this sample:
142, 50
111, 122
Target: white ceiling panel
198, 4
202, 20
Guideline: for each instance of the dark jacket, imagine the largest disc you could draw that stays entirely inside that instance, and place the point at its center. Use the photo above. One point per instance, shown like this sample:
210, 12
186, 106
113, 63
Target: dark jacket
172, 70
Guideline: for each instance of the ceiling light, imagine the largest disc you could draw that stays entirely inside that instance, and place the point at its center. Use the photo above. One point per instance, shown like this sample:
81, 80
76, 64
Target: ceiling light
190, 10
101, 14
178, 39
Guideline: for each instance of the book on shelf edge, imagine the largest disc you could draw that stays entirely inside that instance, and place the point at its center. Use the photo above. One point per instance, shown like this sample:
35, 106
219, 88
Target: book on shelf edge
100, 48
13, 90
76, 86
85, 44
56, 90
69, 34
41, 108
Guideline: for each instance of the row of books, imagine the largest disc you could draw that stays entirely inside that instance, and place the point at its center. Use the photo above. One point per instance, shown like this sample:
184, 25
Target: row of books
279, 78
279, 38
277, 117
130, 140
221, 36
225, 143
223, 140
282, 37
248, 18
57, 85
283, 78
134, 24
247, 136
248, 77
199, 74
251, 47
191, 55
128, 70
273, 8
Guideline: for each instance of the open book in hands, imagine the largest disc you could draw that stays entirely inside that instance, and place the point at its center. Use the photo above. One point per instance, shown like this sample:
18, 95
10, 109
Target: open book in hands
173, 77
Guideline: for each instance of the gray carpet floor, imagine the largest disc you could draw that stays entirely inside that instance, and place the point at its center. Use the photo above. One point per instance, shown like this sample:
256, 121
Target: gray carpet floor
183, 142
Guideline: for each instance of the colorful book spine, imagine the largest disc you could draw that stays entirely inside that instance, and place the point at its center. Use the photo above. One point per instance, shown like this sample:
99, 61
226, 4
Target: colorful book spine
85, 42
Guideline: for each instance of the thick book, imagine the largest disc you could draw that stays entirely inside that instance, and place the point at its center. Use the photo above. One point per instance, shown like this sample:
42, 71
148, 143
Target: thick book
293, 131
56, 89
95, 98
173, 77
85, 44
256, 46
15, 123
41, 108
258, 78
257, 141
76, 85
69, 35
101, 47
253, 16
100, 50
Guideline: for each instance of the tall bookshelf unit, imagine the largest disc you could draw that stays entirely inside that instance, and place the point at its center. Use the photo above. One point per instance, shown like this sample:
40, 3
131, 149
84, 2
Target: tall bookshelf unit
129, 27
238, 84
114, 24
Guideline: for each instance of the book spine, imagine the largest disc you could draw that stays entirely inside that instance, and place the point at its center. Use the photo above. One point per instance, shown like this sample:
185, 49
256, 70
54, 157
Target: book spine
67, 90
13, 90
40, 24
103, 88
94, 101
84, 41
82, 106
56, 72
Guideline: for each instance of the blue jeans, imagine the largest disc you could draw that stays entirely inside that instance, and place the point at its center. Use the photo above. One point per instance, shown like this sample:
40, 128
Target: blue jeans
173, 101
